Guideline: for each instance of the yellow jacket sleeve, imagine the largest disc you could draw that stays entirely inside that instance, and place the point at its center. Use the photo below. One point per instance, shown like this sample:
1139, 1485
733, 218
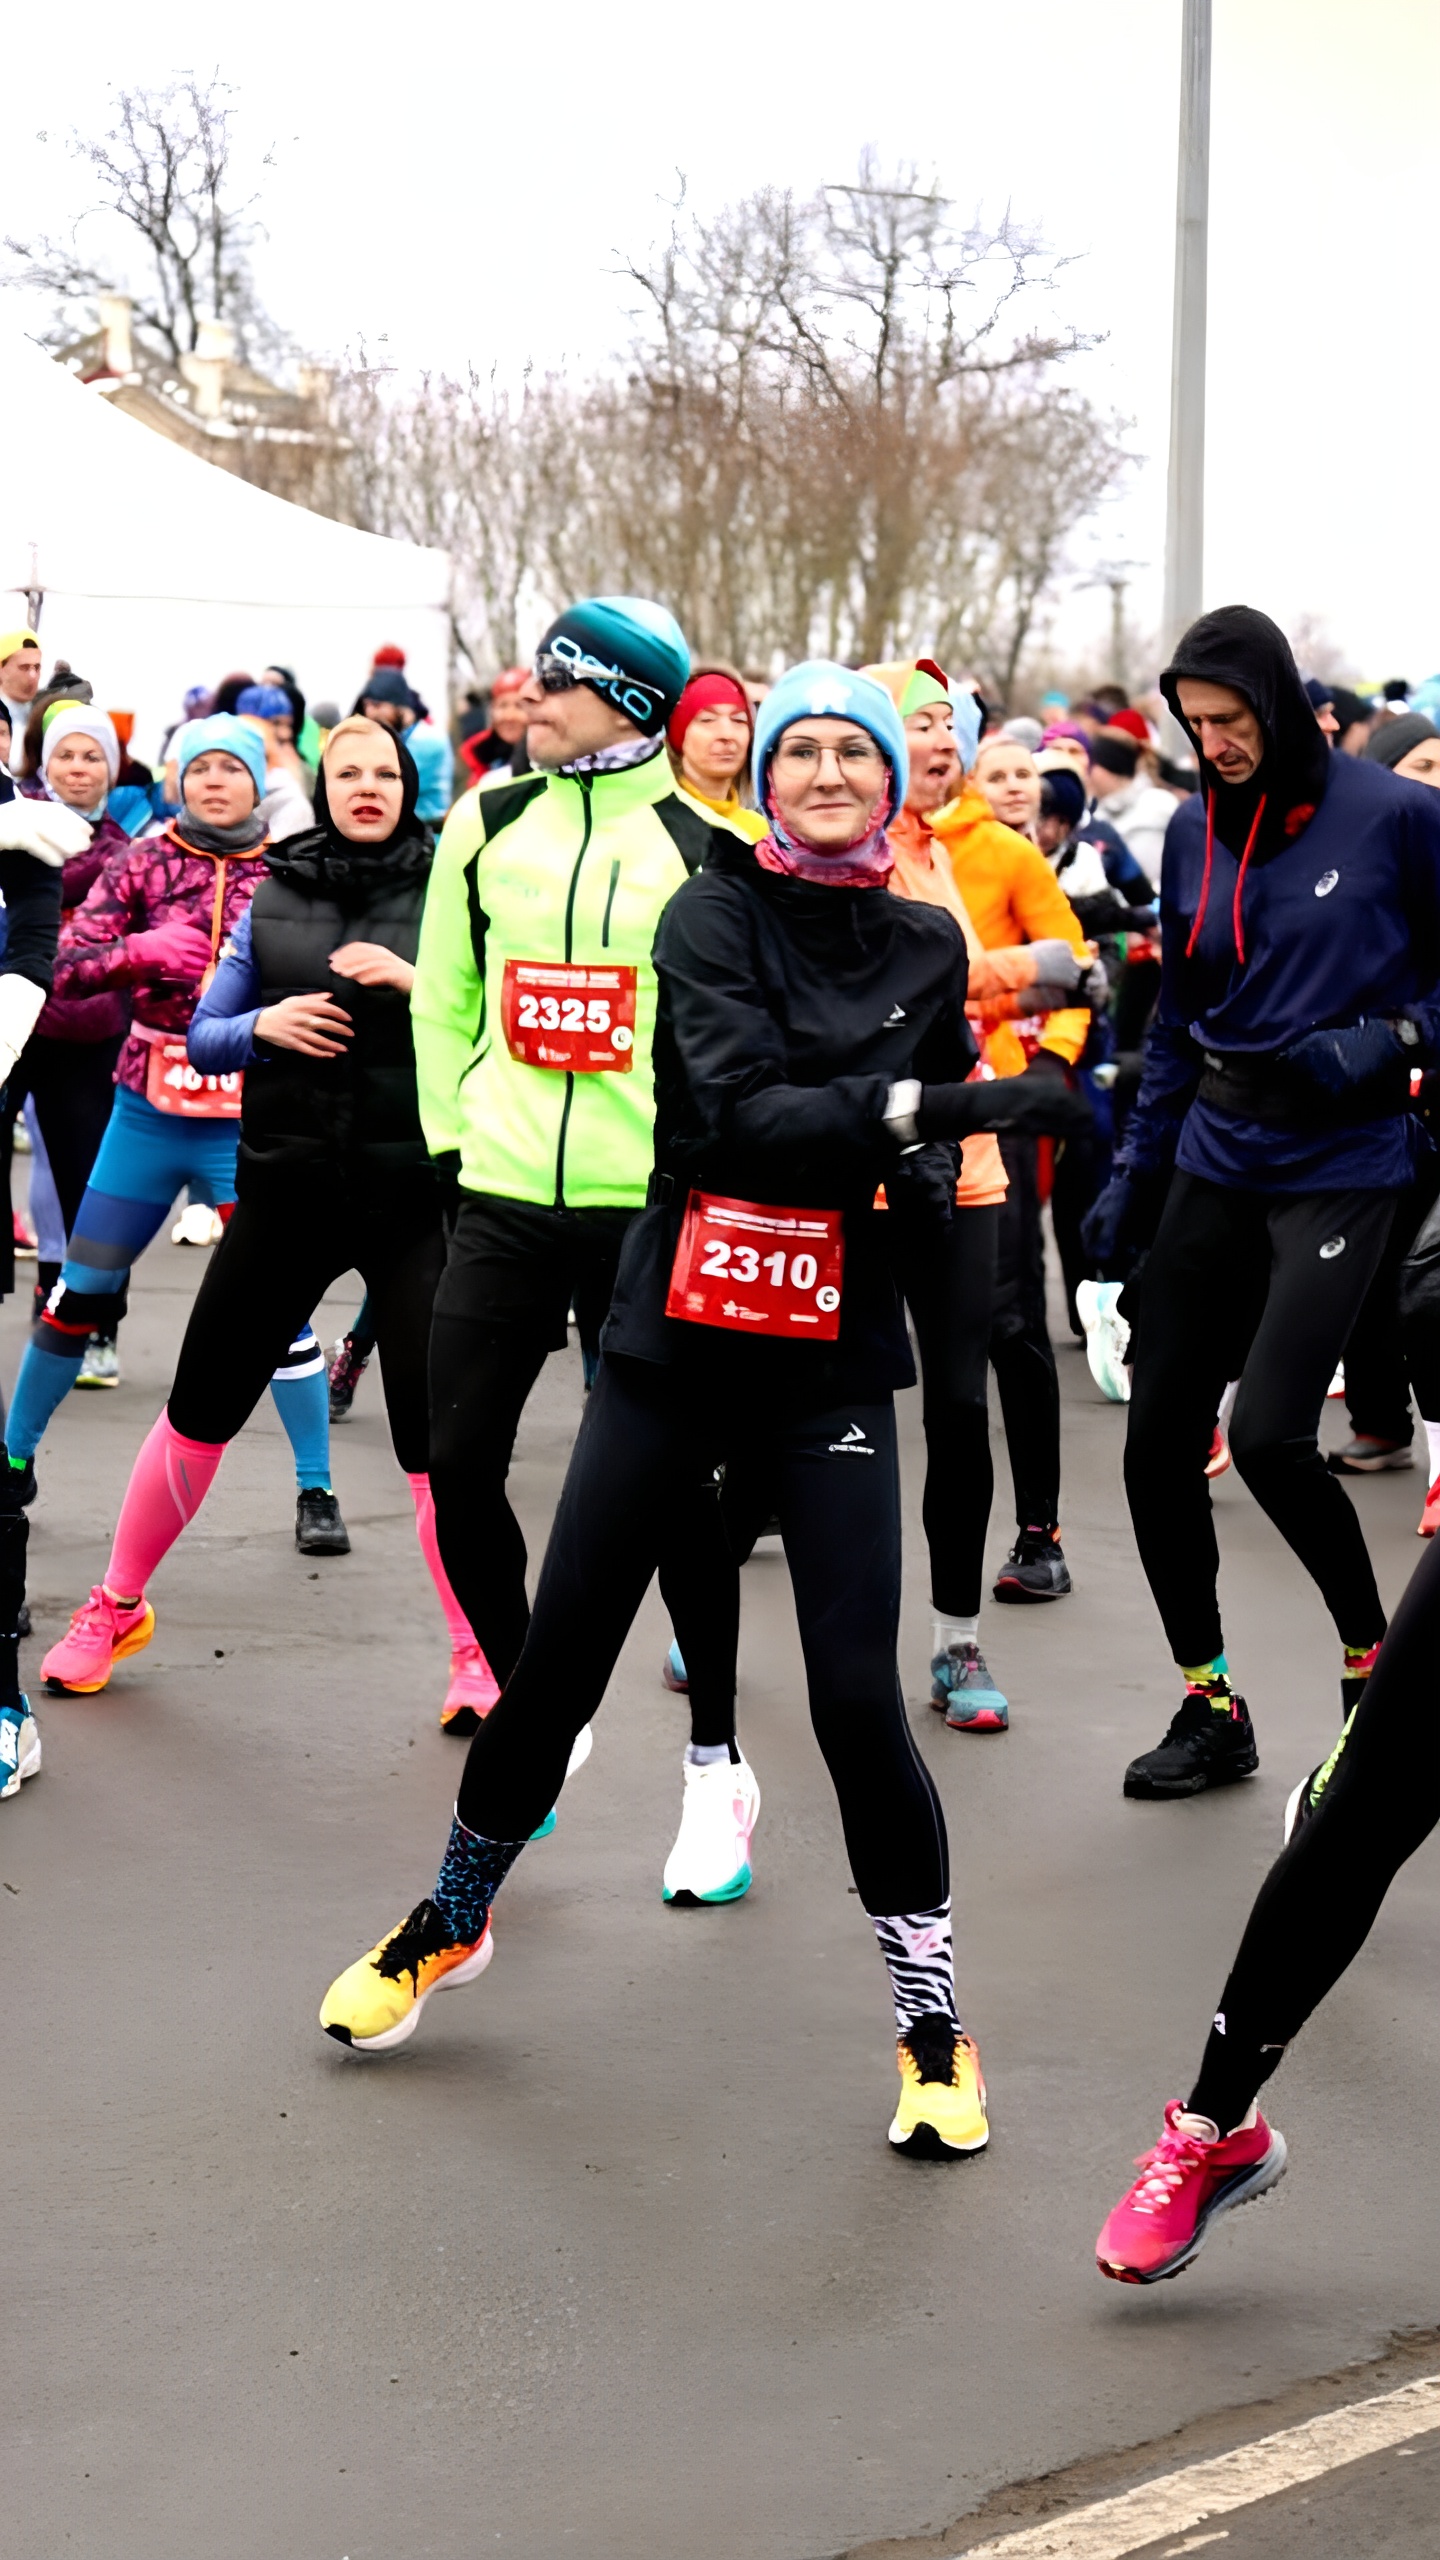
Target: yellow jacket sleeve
445, 1000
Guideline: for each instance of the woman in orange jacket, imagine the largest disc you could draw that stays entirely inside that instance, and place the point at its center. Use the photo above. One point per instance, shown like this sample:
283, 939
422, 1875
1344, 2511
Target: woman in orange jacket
1012, 897
947, 1274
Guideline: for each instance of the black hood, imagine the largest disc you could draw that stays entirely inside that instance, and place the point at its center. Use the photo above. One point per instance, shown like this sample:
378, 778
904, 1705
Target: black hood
1239, 647
326, 859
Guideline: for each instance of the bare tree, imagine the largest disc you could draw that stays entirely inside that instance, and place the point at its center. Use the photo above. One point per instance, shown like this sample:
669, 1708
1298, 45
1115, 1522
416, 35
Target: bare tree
164, 183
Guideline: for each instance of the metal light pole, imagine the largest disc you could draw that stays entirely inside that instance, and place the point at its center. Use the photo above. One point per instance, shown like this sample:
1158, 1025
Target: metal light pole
1185, 509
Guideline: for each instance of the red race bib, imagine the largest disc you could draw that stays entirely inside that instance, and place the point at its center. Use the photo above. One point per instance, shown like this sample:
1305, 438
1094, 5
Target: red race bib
172, 1084
566, 1015
753, 1269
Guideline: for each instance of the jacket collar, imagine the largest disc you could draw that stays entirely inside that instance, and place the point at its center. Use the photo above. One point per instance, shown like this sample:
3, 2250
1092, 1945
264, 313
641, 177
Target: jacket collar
613, 795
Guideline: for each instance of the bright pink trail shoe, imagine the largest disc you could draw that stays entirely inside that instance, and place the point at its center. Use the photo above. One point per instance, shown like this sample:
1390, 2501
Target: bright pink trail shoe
1183, 2184
1430, 1516
1219, 1458
472, 1692
100, 1634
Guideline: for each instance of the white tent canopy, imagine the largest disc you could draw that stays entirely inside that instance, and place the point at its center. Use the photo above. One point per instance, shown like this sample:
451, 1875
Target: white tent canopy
159, 571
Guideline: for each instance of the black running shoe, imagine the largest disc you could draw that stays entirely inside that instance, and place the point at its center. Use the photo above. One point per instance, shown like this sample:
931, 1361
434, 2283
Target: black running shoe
319, 1529
28, 1486
347, 1368
1035, 1568
1203, 1748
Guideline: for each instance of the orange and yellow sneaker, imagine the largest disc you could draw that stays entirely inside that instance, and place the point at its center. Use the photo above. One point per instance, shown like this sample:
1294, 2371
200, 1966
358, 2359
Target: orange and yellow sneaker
376, 2002
472, 1692
941, 2113
101, 1633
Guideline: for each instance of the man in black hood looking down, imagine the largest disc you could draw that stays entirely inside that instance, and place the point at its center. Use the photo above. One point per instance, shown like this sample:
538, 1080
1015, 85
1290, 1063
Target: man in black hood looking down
1300, 983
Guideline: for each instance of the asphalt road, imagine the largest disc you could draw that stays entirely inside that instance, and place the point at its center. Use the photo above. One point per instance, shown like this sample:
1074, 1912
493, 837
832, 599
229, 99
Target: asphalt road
614, 2258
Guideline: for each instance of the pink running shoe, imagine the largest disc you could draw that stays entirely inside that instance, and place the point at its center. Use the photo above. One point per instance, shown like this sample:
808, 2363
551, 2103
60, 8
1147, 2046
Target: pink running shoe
1430, 1516
1183, 2184
472, 1692
100, 1634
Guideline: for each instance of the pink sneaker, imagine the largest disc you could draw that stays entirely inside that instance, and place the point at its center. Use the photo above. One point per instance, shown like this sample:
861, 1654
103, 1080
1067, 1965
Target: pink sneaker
1183, 2184
472, 1692
1430, 1516
100, 1634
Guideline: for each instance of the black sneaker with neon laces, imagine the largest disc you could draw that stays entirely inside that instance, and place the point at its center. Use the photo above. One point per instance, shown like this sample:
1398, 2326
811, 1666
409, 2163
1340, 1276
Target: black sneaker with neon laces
1207, 1745
1035, 1568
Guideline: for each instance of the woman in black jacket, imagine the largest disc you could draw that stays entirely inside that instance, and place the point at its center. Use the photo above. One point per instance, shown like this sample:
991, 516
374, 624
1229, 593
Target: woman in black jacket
311, 1006
811, 1044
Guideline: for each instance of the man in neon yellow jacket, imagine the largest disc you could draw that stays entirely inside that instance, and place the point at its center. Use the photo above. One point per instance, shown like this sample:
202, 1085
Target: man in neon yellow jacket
534, 1013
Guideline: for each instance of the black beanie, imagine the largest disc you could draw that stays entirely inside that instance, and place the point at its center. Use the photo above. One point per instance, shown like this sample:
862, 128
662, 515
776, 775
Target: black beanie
1115, 755
1062, 795
1395, 738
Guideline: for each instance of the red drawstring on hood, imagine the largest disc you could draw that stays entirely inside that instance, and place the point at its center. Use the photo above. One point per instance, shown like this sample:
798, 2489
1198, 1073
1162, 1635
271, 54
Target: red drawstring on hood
1235, 915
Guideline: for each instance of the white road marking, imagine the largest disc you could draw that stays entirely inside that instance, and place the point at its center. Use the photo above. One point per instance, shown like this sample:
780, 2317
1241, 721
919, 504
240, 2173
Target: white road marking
1197, 2542
1114, 2526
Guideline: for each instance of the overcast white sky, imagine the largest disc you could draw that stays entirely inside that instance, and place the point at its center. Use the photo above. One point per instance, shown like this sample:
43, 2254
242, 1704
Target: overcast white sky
458, 181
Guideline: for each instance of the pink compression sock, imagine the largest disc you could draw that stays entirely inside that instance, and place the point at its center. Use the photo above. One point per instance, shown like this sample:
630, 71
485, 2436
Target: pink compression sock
461, 1632
168, 1483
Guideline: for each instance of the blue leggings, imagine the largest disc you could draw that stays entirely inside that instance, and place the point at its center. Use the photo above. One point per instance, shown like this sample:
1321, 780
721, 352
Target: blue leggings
146, 1156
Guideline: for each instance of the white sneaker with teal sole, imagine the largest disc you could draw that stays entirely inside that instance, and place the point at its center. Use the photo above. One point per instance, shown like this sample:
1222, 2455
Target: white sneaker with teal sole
710, 1861
580, 1751
19, 1748
1107, 1336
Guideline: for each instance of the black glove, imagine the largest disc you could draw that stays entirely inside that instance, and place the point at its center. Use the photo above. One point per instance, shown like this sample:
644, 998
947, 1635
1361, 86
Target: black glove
1028, 1106
1045, 1063
921, 1186
1335, 1062
1104, 1225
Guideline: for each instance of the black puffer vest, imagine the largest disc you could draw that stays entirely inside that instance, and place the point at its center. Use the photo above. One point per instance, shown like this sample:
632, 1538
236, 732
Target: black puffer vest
349, 1124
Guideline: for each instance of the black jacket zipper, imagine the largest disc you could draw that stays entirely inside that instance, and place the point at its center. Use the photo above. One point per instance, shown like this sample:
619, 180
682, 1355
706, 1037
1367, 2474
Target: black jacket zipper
585, 786
609, 903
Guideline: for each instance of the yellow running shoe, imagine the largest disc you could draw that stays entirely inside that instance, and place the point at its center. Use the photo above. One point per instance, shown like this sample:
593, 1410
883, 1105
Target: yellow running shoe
376, 2002
941, 2114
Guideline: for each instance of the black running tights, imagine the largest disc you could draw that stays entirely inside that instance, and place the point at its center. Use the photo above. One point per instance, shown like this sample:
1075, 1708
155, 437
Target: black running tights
833, 1479
1319, 1901
1020, 1348
948, 1283
1273, 1282
267, 1275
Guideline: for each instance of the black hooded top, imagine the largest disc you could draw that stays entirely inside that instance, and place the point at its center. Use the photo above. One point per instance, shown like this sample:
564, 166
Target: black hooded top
1333, 919
1238, 647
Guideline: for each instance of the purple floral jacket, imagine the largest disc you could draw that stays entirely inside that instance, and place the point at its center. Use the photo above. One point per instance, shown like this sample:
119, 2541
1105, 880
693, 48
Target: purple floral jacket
155, 881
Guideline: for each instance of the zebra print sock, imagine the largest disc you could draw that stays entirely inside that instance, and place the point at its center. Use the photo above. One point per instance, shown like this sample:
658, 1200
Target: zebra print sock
471, 1874
919, 1956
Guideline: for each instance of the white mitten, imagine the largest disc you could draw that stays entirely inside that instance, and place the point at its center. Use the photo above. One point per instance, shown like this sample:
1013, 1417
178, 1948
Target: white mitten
21, 1005
45, 828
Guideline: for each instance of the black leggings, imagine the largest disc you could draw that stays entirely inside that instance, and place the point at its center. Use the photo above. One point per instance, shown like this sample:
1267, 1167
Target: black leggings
1263, 1287
948, 1283
1020, 1347
833, 1479
72, 1083
272, 1267
1319, 1901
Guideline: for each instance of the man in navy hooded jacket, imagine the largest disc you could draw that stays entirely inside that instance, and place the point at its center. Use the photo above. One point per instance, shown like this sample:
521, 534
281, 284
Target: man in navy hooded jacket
1300, 983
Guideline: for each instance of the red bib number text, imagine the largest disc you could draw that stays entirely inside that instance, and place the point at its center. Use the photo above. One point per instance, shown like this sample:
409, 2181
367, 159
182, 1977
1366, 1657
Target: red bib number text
172, 1084
753, 1269
564, 1015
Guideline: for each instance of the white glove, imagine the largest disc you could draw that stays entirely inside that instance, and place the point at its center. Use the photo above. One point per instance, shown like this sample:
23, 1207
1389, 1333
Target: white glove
45, 828
21, 1005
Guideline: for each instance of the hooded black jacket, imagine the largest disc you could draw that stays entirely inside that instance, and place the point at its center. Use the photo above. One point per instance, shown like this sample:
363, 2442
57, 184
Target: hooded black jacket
787, 1009
1333, 918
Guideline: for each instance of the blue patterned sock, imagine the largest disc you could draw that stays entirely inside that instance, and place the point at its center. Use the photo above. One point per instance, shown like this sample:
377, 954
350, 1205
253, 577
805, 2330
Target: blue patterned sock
303, 1405
471, 1873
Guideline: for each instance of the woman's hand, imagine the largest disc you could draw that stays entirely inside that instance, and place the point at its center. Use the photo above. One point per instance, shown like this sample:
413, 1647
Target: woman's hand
371, 965
316, 1026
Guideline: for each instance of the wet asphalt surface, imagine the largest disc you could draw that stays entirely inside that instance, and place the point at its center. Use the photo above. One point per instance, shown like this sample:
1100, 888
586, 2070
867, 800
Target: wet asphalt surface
614, 2257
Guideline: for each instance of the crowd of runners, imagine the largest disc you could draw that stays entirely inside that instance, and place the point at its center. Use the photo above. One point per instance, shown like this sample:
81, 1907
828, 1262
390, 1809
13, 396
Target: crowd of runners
758, 1029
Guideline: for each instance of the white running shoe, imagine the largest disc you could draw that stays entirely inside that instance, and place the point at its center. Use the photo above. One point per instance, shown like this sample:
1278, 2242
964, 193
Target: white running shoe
1107, 1336
198, 1225
19, 1748
710, 1861
100, 1366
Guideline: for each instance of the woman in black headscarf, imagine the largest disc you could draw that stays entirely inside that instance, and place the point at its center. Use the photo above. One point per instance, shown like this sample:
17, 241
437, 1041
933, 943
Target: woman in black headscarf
311, 1005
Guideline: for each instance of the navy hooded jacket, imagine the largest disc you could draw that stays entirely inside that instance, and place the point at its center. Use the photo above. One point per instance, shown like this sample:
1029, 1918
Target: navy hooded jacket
1332, 920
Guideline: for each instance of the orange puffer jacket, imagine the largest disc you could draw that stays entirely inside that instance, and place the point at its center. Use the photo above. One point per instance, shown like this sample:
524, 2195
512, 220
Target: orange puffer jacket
1012, 896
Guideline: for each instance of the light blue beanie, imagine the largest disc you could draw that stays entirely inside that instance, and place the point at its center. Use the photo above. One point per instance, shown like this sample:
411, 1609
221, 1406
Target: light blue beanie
821, 690
223, 733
